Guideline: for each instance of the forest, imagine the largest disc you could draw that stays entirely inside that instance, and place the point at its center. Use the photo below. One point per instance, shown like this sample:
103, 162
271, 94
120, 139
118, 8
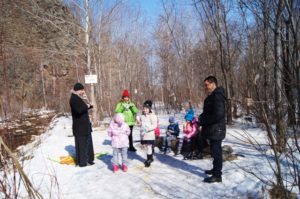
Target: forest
251, 46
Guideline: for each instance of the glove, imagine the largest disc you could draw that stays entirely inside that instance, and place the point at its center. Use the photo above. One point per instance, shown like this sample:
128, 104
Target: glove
145, 129
130, 105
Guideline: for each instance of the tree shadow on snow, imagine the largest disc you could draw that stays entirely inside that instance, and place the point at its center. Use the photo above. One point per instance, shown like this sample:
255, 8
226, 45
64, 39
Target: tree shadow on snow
180, 164
70, 149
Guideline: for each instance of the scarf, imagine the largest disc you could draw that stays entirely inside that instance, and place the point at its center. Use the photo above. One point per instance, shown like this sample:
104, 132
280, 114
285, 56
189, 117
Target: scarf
83, 97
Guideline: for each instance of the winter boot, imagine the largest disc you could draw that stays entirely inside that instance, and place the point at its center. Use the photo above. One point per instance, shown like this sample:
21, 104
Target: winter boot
213, 179
147, 163
209, 172
124, 168
149, 160
188, 156
176, 152
165, 150
199, 156
115, 168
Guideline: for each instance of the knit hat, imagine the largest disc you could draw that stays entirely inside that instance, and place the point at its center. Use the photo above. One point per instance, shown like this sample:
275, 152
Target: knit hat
190, 115
78, 86
148, 104
172, 120
125, 93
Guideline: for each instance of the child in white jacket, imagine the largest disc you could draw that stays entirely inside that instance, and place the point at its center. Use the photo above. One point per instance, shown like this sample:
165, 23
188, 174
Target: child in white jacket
119, 131
148, 122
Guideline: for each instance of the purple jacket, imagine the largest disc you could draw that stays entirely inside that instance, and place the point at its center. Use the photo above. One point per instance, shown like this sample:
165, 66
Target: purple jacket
118, 131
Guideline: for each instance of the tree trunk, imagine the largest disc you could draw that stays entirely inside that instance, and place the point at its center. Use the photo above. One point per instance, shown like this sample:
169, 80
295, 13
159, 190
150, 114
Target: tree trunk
7, 110
278, 69
265, 58
287, 75
88, 57
43, 86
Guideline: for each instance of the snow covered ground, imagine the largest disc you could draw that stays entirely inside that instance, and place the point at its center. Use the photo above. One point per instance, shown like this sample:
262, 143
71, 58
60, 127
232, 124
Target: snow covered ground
168, 176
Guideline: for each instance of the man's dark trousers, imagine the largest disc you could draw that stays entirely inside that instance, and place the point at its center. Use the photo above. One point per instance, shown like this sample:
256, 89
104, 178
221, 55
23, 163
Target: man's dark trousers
216, 153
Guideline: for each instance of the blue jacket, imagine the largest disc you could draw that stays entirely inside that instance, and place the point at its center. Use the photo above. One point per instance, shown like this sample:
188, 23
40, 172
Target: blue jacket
173, 129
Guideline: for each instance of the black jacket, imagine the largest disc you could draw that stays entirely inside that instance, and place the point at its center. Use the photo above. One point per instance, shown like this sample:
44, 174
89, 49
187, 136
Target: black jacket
80, 116
212, 119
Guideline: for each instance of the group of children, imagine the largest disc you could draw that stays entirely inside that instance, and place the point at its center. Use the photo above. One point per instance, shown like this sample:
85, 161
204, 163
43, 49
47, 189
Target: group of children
148, 122
188, 143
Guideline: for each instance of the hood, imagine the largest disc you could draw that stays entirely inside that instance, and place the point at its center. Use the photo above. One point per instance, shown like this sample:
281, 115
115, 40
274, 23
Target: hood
119, 118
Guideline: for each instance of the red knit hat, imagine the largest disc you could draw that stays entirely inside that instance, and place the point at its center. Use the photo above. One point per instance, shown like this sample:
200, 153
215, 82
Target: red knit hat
125, 93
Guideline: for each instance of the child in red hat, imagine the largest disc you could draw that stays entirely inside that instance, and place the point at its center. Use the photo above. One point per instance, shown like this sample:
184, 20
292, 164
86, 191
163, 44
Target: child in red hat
129, 109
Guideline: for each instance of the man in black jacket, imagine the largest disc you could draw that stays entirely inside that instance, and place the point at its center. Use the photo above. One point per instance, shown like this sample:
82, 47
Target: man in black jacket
82, 126
213, 125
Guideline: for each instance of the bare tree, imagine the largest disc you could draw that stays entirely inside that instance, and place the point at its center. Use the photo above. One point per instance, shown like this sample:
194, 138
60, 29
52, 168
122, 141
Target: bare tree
216, 15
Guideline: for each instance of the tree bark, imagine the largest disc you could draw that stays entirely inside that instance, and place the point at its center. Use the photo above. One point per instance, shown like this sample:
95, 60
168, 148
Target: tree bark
88, 61
278, 69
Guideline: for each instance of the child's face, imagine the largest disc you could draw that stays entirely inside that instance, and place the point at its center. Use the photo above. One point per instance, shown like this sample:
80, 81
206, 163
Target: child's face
126, 99
146, 110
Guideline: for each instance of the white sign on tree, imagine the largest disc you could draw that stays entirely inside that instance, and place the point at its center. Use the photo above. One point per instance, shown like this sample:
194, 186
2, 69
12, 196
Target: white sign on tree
90, 79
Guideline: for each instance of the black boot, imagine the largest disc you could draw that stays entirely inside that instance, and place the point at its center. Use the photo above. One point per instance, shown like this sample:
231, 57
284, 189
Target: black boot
175, 152
213, 179
199, 156
188, 156
149, 160
209, 172
165, 150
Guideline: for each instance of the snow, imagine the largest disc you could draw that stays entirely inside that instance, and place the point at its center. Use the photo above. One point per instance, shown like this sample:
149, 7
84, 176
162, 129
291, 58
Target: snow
168, 176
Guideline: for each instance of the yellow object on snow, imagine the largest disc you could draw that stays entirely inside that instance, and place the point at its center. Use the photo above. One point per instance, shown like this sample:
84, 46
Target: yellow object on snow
69, 160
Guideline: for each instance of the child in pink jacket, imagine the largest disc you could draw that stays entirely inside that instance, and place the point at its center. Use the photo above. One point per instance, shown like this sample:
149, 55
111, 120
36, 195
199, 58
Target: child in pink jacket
186, 143
118, 131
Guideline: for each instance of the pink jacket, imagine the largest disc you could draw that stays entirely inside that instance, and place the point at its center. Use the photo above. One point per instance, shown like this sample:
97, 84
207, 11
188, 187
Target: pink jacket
190, 129
118, 131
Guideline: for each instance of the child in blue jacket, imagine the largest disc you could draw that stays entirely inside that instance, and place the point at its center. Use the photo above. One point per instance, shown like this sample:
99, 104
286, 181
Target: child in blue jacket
172, 133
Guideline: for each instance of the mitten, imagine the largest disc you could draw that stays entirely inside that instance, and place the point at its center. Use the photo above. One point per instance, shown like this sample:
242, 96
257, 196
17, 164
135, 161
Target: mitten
131, 105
